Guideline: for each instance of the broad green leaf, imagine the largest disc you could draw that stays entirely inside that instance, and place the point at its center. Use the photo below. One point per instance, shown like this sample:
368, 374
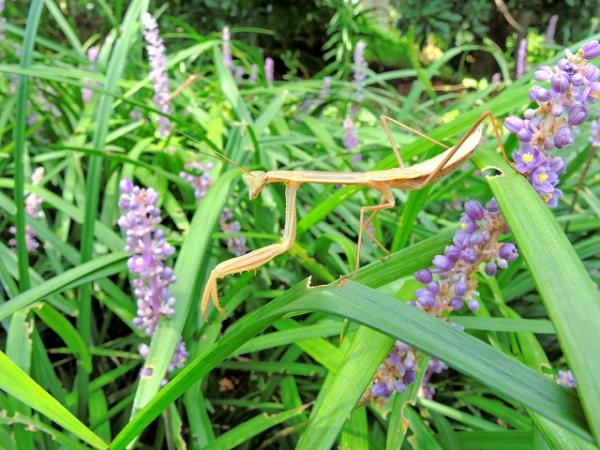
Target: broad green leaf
18, 384
569, 294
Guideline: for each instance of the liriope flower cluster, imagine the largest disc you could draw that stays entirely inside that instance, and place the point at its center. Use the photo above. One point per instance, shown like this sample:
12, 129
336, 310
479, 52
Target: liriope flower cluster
92, 55
451, 283
448, 286
33, 208
196, 174
358, 76
155, 47
238, 71
562, 107
149, 249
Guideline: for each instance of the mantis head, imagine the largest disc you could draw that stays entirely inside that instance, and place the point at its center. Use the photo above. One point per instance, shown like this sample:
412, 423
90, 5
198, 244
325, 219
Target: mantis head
256, 180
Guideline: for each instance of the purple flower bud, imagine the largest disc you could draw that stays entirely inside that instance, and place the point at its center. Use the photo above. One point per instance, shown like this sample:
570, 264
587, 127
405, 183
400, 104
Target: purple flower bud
477, 239
513, 124
474, 305
456, 303
577, 115
508, 252
452, 252
460, 289
379, 390
469, 255
539, 94
474, 209
468, 224
491, 269
442, 263
433, 287
549, 143
577, 79
564, 64
424, 276
524, 135
591, 50
461, 238
126, 186
425, 298
563, 137
492, 206
543, 73
560, 82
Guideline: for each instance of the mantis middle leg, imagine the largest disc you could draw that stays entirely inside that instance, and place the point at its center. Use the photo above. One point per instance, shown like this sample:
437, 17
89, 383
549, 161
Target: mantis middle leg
254, 259
387, 202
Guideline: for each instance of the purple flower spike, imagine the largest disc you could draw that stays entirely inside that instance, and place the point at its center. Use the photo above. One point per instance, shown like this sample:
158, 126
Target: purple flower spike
350, 137
149, 249
155, 48
269, 70
227, 58
33, 208
201, 182
236, 245
562, 106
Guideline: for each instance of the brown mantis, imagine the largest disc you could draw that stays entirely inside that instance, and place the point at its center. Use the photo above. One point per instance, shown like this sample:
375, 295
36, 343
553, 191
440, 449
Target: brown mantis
413, 177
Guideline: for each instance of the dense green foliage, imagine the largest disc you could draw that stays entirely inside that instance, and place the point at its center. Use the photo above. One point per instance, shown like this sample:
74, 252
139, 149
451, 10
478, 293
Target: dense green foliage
288, 365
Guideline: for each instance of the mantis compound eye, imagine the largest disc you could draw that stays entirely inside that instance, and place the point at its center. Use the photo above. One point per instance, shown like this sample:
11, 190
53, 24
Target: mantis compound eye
256, 180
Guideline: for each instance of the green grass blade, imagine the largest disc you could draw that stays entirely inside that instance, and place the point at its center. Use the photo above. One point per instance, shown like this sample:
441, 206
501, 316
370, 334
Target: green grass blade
569, 294
33, 20
245, 431
17, 383
90, 271
355, 435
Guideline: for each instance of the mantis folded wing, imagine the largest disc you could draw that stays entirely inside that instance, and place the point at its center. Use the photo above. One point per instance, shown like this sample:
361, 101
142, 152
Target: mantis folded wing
413, 177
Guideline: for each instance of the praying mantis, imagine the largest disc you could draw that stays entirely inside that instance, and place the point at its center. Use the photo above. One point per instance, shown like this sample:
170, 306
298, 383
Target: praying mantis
414, 177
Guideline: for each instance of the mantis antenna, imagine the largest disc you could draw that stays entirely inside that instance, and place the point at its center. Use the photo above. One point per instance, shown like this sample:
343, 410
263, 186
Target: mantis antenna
217, 153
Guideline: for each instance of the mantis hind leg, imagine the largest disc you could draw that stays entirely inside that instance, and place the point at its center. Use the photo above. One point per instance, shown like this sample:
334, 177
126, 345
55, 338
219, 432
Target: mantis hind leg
486, 115
254, 259
384, 122
387, 202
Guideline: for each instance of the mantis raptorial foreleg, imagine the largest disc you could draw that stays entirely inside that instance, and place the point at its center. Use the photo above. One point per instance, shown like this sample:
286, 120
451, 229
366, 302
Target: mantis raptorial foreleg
387, 202
256, 258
